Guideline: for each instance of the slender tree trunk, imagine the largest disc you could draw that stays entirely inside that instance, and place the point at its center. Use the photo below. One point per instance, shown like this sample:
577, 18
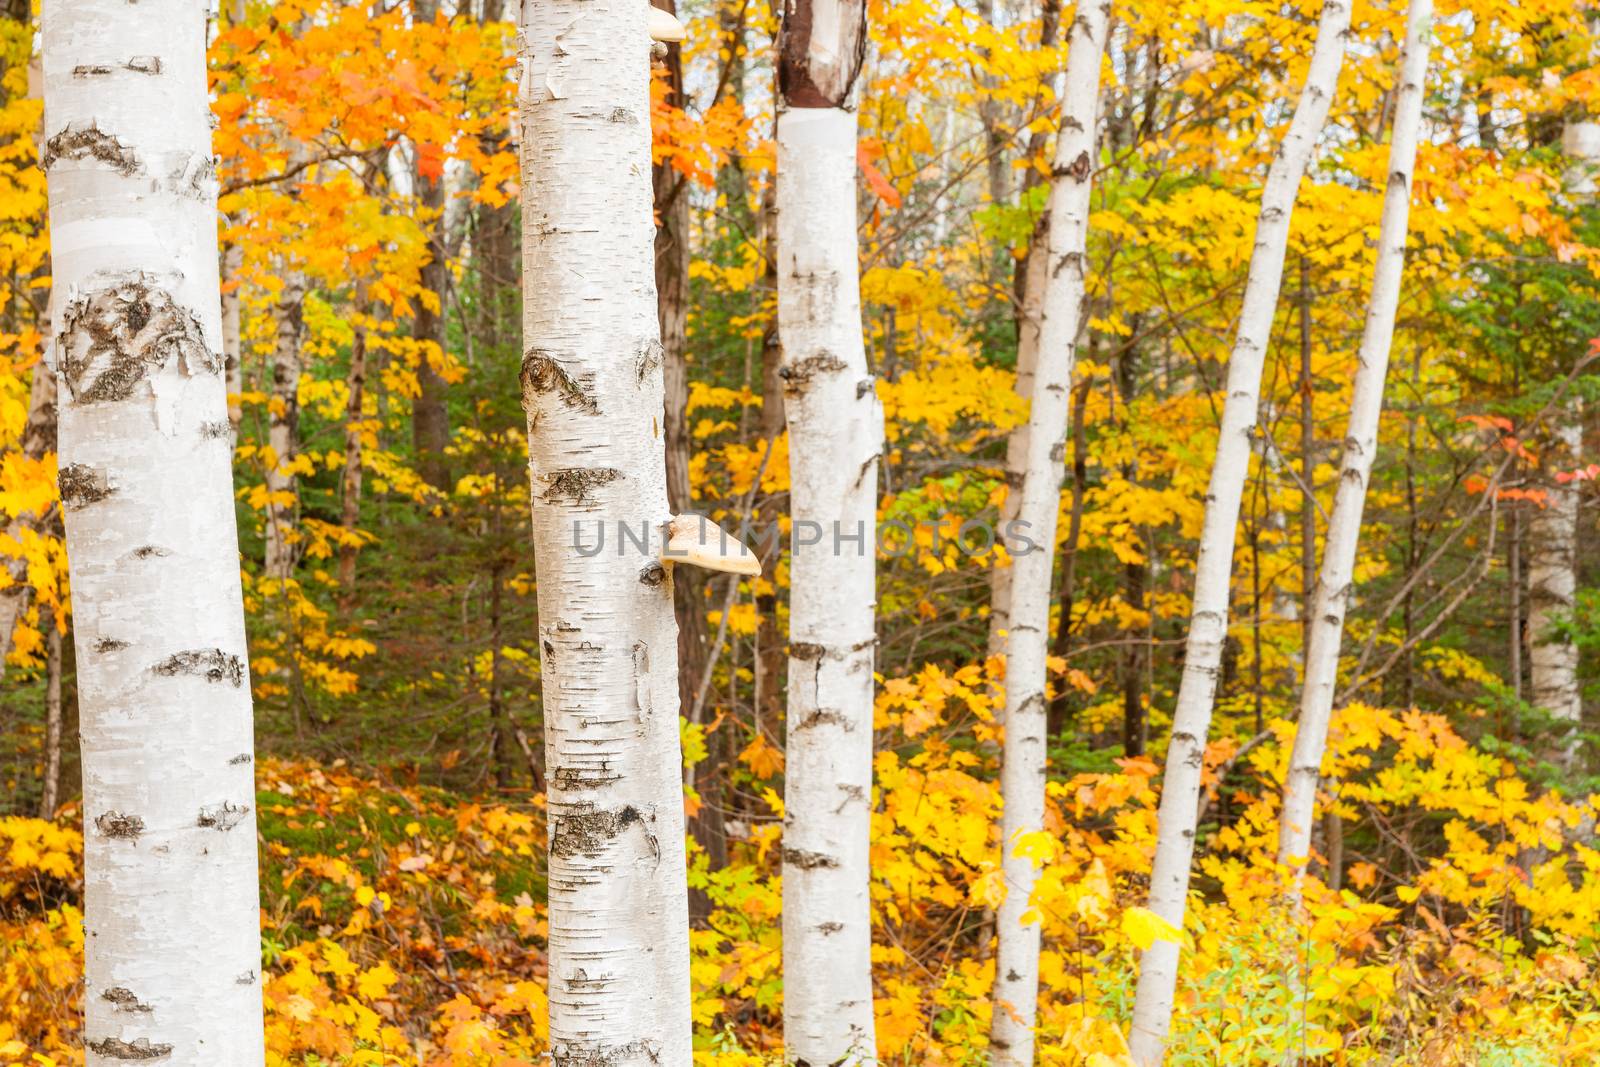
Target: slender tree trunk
51, 798
1061, 307
769, 638
1514, 595
1069, 557
430, 417
172, 940
1336, 581
283, 429
1308, 463
1034, 282
354, 425
835, 438
592, 387
232, 344
1208, 624
38, 441
1027, 289
1553, 585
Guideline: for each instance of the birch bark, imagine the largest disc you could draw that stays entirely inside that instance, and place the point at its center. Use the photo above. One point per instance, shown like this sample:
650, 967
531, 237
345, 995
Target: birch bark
283, 428
1553, 586
592, 389
1042, 450
38, 441
1334, 584
835, 438
172, 940
1208, 623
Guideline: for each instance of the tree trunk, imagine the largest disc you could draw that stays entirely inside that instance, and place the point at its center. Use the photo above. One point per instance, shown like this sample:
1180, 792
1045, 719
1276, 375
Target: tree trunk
1552, 546
172, 943
1336, 580
835, 439
430, 419
354, 421
1060, 705
51, 795
592, 388
232, 344
672, 251
1027, 288
38, 441
769, 639
1061, 307
1208, 624
283, 429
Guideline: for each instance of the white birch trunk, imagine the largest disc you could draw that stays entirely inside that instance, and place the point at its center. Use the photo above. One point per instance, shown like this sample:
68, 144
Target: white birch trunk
232, 340
592, 389
835, 437
1553, 585
283, 429
38, 440
1017, 440
1042, 448
1331, 598
172, 939
1208, 623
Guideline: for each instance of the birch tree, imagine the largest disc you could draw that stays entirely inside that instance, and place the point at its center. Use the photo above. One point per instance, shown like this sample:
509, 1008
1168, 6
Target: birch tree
1208, 621
1331, 598
172, 942
283, 429
1060, 287
592, 390
835, 438
1552, 529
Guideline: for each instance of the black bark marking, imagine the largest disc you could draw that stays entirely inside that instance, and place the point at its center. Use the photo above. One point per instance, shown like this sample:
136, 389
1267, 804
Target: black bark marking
1077, 170
84, 70
247, 978
543, 373
212, 664
799, 373
124, 999
651, 353
141, 1049
81, 486
216, 431
149, 552
116, 336
825, 717
598, 1055
574, 483
221, 817
809, 861
240, 759
829, 928
587, 831
653, 575
144, 64
585, 777
806, 651
109, 644
115, 824
88, 142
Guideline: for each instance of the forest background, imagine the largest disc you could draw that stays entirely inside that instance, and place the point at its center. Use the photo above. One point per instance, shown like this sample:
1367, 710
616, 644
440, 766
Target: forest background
367, 159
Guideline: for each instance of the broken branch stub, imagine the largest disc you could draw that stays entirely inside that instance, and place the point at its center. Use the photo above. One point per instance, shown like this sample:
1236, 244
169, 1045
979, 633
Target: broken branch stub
696, 540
